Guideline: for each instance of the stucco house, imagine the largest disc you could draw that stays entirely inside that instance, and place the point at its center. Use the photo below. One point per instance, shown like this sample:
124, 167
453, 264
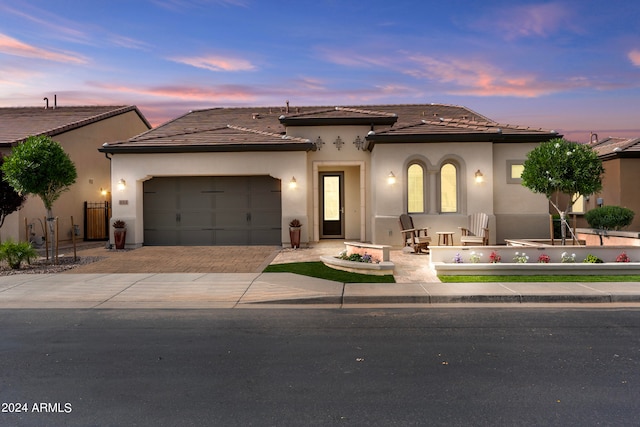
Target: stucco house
621, 160
80, 131
238, 176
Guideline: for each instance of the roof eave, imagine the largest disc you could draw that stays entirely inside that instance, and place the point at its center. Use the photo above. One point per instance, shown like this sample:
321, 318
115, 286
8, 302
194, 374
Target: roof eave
218, 148
338, 121
460, 137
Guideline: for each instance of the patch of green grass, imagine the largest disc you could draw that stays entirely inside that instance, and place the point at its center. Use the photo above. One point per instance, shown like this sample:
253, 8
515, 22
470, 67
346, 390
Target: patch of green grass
321, 271
568, 278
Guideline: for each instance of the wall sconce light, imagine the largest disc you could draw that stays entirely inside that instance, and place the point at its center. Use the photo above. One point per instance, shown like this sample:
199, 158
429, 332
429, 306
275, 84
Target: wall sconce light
103, 192
293, 183
391, 178
122, 184
479, 177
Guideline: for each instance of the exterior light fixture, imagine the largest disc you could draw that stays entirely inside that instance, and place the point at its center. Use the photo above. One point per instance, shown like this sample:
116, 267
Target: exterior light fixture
122, 184
103, 192
479, 177
293, 183
391, 178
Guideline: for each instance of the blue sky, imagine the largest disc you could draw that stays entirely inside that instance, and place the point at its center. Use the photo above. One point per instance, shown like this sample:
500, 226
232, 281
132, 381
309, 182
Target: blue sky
572, 66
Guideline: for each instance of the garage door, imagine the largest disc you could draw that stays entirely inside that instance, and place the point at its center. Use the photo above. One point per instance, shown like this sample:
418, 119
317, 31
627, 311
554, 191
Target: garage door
216, 210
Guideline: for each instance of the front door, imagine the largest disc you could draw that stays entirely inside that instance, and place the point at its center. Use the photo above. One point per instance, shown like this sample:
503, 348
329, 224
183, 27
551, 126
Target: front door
332, 205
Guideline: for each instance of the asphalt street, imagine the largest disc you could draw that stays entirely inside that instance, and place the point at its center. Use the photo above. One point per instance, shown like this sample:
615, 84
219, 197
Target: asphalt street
295, 367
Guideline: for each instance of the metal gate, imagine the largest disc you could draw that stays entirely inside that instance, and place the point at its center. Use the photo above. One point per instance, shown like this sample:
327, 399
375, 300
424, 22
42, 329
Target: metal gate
96, 220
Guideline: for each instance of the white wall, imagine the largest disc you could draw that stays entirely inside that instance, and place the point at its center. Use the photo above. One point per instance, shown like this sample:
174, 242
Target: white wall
389, 201
137, 168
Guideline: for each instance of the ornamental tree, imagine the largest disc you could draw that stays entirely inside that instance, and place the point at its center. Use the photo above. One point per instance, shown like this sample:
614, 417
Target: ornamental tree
609, 218
563, 167
41, 167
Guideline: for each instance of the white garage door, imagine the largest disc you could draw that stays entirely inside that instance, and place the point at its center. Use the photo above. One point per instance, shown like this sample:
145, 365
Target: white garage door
214, 210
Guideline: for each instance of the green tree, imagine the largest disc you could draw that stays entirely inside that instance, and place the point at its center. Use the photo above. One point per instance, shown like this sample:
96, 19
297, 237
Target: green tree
563, 167
41, 167
10, 199
609, 218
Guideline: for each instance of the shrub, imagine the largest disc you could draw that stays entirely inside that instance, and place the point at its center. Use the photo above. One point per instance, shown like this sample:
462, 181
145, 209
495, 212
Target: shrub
15, 253
118, 223
609, 217
592, 259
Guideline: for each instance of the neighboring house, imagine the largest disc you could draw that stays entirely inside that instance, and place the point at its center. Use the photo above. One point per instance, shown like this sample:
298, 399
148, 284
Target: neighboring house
80, 131
621, 160
236, 176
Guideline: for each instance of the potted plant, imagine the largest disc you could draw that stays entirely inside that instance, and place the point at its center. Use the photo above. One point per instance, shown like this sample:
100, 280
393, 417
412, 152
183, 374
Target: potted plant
119, 233
294, 233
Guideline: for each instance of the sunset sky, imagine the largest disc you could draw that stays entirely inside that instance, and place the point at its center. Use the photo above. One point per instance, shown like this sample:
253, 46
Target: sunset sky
572, 66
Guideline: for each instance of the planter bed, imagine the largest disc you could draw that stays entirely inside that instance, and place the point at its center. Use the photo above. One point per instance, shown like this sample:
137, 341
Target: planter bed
379, 269
536, 269
441, 261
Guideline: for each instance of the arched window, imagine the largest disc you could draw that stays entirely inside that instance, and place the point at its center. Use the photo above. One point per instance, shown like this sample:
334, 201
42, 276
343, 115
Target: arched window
415, 188
448, 188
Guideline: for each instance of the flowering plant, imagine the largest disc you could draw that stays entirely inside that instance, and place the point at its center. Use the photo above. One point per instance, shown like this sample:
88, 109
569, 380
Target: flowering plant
521, 258
494, 257
457, 259
565, 257
474, 257
623, 257
358, 258
544, 259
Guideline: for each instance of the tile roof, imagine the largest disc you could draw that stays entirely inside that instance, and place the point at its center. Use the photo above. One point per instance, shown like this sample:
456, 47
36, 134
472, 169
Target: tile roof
222, 138
617, 147
205, 129
448, 129
17, 124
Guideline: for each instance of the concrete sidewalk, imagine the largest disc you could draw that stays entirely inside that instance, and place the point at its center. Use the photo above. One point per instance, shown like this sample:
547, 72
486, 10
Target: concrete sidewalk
235, 290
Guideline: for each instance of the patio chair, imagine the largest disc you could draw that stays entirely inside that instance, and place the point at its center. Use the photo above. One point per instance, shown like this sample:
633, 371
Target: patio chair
477, 234
416, 238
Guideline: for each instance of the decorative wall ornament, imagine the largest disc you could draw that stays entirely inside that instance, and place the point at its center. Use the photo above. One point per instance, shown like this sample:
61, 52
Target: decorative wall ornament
319, 143
359, 143
338, 142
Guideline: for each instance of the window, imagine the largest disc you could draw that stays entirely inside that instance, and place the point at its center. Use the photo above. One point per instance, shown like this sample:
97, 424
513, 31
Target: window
448, 188
514, 171
415, 188
578, 205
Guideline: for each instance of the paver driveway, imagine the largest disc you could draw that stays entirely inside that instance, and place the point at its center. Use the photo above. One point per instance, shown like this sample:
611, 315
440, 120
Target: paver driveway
179, 259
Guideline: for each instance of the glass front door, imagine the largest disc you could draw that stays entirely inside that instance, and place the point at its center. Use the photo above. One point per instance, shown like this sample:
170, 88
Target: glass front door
332, 209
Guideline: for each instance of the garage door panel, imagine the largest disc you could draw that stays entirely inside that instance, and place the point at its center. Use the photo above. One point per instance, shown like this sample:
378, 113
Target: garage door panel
212, 210
196, 237
232, 237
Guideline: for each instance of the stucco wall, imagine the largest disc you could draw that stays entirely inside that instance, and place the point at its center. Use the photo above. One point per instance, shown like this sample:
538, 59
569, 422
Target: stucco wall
520, 213
389, 200
137, 168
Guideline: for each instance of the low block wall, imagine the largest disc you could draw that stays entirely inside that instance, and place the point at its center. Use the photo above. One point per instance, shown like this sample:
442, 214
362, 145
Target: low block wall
442, 260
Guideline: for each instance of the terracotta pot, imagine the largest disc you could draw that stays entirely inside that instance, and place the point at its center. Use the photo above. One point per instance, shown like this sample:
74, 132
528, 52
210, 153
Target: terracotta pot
294, 236
120, 237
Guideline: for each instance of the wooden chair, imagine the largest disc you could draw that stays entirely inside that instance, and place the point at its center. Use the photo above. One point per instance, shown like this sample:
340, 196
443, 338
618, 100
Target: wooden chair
417, 238
478, 232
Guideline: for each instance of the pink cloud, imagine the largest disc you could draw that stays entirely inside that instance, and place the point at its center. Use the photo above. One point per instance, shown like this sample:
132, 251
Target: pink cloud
220, 93
535, 20
472, 77
11, 46
217, 63
634, 56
